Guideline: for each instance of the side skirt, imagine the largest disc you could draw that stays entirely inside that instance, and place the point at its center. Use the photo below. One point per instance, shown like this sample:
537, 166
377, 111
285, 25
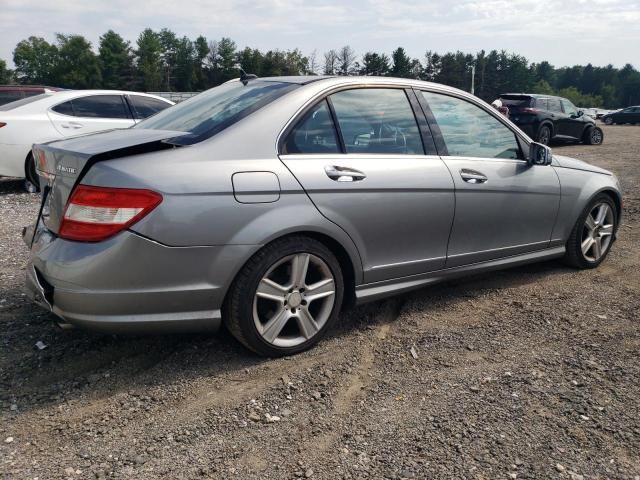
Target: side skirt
375, 291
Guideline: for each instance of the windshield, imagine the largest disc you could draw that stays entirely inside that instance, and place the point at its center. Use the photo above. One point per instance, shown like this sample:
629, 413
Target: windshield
212, 111
22, 102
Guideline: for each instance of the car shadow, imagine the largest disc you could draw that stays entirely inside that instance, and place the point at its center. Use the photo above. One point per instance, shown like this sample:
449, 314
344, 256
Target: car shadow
12, 186
41, 365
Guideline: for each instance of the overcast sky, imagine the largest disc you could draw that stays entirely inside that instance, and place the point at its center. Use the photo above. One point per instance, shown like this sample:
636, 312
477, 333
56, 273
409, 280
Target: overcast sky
565, 32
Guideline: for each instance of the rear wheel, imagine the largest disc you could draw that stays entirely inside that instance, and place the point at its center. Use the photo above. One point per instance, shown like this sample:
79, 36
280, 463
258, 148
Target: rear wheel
285, 298
544, 135
593, 136
32, 183
592, 236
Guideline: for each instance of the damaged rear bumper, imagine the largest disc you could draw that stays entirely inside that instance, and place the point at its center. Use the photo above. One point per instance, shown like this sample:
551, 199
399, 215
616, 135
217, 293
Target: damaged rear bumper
131, 284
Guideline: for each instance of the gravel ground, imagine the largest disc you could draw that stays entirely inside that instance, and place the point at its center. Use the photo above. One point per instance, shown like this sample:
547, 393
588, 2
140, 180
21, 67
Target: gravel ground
528, 373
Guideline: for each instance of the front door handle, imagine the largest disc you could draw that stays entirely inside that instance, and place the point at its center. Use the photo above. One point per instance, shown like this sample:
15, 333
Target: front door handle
473, 176
71, 125
344, 174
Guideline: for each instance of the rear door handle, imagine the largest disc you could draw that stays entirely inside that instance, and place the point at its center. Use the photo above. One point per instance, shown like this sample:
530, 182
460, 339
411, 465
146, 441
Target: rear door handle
473, 176
344, 174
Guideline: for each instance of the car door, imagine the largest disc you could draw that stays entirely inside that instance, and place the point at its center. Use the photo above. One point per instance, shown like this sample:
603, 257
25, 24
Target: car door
371, 168
504, 206
570, 124
91, 113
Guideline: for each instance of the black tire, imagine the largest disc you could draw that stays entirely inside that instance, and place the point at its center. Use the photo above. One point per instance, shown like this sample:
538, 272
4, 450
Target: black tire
544, 134
238, 307
593, 136
608, 121
574, 255
30, 172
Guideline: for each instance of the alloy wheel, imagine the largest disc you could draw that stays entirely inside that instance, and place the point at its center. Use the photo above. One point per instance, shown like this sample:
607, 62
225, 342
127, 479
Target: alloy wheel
597, 232
294, 300
596, 136
545, 136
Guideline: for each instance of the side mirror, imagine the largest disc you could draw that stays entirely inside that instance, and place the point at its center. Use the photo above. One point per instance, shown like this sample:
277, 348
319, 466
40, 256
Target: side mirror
580, 113
539, 154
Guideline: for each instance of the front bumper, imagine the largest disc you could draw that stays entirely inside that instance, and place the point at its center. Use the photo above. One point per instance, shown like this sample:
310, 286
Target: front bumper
131, 284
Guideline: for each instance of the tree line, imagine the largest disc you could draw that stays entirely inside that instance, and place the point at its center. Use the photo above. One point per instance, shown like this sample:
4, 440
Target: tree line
163, 61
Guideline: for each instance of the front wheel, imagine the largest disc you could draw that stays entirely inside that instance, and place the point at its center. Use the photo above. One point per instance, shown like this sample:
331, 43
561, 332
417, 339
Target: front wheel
285, 298
608, 121
594, 136
593, 234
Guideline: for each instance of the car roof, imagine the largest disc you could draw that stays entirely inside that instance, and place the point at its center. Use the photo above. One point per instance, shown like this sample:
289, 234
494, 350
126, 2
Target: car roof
531, 95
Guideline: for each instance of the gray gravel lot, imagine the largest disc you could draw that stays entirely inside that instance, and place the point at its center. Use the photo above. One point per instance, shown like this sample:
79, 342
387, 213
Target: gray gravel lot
529, 373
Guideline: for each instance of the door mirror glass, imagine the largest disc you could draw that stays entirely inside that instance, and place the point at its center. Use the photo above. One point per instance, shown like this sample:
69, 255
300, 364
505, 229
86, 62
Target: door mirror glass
539, 154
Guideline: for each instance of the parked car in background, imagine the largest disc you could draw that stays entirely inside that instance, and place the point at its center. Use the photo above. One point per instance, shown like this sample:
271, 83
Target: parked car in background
601, 112
589, 111
626, 115
54, 115
268, 204
544, 118
11, 93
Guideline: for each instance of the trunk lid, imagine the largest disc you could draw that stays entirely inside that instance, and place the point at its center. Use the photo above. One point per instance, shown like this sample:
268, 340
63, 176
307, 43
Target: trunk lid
63, 163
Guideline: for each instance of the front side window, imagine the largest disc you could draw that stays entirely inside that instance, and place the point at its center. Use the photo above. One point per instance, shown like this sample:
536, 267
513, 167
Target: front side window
212, 111
100, 106
470, 131
378, 121
144, 107
315, 133
569, 108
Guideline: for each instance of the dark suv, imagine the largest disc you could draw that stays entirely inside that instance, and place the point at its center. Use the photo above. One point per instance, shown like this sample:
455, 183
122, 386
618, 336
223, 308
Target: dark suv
544, 118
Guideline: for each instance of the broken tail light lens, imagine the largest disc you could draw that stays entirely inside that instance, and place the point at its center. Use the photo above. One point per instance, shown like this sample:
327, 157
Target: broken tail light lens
94, 214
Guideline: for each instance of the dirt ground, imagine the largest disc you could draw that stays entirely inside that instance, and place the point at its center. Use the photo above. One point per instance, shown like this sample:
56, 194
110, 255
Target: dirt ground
530, 373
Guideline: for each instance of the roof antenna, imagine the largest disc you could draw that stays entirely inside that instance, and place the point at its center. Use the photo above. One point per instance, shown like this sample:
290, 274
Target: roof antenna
244, 76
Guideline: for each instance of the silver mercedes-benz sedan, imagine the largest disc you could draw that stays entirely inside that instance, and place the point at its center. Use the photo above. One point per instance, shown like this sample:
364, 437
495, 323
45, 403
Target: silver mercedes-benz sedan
269, 204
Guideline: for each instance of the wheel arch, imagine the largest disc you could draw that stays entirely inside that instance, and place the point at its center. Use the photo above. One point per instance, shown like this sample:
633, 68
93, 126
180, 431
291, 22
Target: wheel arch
350, 264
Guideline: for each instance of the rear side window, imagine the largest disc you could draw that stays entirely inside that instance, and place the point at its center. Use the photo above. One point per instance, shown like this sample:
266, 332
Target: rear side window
315, 133
542, 103
469, 131
377, 120
144, 107
554, 105
100, 106
64, 108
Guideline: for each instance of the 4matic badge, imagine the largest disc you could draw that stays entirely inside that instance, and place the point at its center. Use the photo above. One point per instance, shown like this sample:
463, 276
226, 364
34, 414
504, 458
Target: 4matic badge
63, 169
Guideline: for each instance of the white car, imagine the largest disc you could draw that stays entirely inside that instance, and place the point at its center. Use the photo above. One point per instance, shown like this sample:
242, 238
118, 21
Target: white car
56, 115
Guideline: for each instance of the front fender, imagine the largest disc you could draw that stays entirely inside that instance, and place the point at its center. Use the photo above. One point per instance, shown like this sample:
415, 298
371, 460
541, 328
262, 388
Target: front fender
578, 188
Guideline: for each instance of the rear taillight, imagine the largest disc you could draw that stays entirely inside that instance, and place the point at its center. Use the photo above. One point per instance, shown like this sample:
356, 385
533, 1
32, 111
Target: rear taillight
97, 213
531, 110
2, 124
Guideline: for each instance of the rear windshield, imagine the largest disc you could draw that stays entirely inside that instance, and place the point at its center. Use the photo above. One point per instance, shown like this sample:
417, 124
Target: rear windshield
22, 102
212, 111
512, 101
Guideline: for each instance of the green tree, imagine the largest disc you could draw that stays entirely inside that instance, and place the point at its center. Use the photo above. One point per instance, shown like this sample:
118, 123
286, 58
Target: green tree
116, 61
184, 65
375, 64
542, 87
201, 47
78, 66
149, 61
401, 63
6, 75
36, 61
